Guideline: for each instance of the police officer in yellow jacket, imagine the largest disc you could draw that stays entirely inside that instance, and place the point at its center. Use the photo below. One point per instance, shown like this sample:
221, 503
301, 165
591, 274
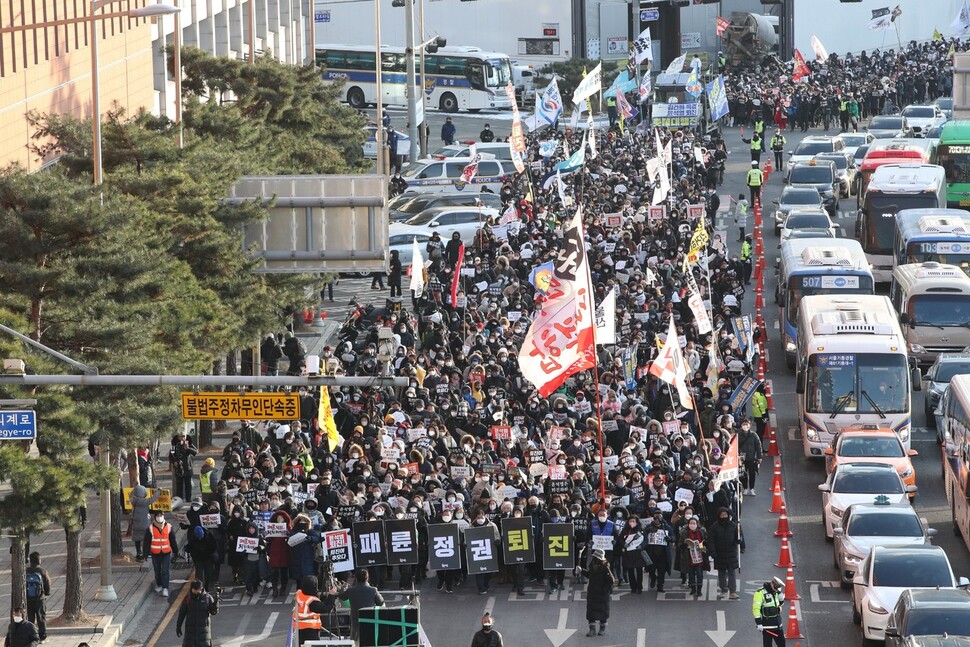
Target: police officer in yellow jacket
755, 179
766, 608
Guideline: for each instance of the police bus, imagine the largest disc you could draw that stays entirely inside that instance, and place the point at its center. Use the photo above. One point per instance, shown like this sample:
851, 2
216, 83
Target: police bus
811, 266
853, 368
895, 187
456, 78
940, 235
955, 423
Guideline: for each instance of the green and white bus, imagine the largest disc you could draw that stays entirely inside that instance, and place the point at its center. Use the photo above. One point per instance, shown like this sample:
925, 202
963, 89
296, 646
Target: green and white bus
953, 154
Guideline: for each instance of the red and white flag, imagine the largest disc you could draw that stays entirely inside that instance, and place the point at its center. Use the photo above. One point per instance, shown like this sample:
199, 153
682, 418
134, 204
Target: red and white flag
801, 68
509, 216
722, 25
456, 279
670, 367
471, 170
729, 468
560, 340
820, 54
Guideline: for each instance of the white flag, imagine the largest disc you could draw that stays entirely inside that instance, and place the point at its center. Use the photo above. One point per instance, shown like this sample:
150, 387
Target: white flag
417, 270
549, 105
642, 48
961, 24
677, 65
820, 54
592, 132
881, 19
561, 190
590, 85
606, 320
574, 119
700, 313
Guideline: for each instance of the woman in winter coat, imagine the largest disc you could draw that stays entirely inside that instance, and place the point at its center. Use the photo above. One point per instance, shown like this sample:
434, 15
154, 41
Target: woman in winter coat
723, 548
234, 529
598, 593
631, 543
302, 541
692, 542
279, 556
140, 503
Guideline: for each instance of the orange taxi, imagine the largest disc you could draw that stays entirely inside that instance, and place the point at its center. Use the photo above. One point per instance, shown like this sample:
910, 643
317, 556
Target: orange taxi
871, 445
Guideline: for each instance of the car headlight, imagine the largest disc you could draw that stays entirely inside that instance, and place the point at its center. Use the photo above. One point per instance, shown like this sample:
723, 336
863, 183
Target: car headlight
916, 348
837, 512
790, 344
904, 433
852, 559
875, 608
907, 472
811, 435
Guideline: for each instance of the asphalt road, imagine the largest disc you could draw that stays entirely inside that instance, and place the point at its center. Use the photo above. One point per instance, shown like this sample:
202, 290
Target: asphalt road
651, 619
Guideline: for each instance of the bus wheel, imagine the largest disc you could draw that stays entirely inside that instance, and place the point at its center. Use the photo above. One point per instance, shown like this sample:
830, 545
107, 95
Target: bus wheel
355, 97
448, 103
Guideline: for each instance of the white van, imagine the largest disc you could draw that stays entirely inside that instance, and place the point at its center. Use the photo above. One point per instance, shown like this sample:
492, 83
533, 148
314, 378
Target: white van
444, 176
933, 302
499, 150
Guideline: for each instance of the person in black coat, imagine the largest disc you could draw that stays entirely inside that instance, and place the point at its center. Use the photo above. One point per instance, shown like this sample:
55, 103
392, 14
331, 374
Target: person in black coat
660, 538
631, 542
194, 614
487, 636
394, 273
598, 593
722, 546
270, 354
21, 633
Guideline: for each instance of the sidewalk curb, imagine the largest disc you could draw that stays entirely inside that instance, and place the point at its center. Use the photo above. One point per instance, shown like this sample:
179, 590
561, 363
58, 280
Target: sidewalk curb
109, 629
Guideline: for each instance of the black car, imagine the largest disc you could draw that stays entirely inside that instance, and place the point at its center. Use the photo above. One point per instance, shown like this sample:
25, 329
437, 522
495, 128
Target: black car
889, 126
820, 175
412, 203
793, 197
928, 612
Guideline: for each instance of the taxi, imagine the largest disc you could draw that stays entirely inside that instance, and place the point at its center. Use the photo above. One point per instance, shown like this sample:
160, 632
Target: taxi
859, 483
878, 523
871, 444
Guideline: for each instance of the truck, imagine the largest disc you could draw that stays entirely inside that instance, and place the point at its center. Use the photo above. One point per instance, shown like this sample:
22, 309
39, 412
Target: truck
750, 36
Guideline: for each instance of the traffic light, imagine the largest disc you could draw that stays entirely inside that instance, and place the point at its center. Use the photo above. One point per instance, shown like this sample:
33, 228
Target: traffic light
433, 46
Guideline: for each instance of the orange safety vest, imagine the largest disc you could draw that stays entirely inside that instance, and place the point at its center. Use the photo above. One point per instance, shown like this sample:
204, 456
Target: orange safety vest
305, 619
160, 541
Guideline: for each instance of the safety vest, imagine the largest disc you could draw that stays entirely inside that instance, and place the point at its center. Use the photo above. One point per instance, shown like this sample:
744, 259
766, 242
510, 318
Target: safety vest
610, 101
755, 177
759, 126
777, 143
161, 544
767, 606
843, 106
745, 251
756, 144
205, 480
305, 619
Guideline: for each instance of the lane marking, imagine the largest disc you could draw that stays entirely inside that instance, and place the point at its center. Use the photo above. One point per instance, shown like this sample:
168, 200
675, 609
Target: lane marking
170, 614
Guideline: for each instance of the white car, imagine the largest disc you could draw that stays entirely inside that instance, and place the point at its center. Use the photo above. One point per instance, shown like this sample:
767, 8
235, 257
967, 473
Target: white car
445, 220
370, 144
404, 244
859, 483
814, 218
923, 118
811, 146
854, 140
888, 571
878, 523
500, 150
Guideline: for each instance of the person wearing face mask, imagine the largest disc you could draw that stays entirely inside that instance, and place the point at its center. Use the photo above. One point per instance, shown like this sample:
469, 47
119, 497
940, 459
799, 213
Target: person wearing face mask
302, 541
692, 545
254, 563
278, 551
725, 540
140, 504
446, 579
487, 636
766, 607
235, 528
660, 539
195, 616
482, 580
634, 558
603, 533
20, 632
160, 539
749, 449
598, 593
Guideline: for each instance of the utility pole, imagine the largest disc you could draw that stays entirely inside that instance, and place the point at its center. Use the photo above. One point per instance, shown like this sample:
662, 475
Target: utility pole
382, 164
106, 591
411, 80
422, 135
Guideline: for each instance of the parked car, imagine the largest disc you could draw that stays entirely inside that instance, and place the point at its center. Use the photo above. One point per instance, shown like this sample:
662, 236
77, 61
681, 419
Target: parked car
854, 140
871, 444
945, 104
845, 170
445, 220
929, 613
370, 143
444, 176
500, 150
414, 203
922, 118
865, 525
886, 573
811, 146
889, 126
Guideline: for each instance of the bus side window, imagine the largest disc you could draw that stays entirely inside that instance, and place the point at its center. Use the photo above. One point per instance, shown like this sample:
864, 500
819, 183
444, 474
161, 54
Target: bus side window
475, 73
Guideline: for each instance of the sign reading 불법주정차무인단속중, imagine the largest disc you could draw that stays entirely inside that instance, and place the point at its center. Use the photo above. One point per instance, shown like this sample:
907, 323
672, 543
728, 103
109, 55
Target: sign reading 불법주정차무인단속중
239, 406
518, 546
558, 546
675, 115
481, 553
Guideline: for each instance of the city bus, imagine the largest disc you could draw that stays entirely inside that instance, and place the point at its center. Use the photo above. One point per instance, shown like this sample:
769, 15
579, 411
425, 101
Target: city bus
955, 420
933, 302
812, 266
890, 151
953, 154
456, 78
895, 187
853, 369
941, 235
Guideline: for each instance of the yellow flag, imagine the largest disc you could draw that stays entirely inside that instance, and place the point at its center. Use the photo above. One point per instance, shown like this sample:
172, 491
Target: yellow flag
937, 35
952, 51
325, 420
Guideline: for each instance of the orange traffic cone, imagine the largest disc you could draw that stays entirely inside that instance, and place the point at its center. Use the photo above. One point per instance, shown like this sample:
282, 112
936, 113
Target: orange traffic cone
784, 558
793, 629
772, 442
771, 402
308, 316
776, 478
776, 501
783, 529
791, 593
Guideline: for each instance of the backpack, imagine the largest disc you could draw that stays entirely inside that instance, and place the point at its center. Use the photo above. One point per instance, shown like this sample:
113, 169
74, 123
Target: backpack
35, 585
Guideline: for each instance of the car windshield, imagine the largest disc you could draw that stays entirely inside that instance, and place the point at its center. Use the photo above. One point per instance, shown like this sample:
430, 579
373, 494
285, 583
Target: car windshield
949, 310
811, 175
854, 140
883, 524
416, 205
805, 220
799, 196
498, 73
945, 104
919, 112
812, 232
946, 370
927, 569
839, 160
422, 218
870, 447
937, 622
886, 123
867, 482
809, 149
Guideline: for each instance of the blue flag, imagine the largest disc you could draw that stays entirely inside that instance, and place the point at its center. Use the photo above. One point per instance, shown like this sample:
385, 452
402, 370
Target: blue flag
549, 105
541, 276
574, 162
622, 83
546, 149
694, 87
717, 98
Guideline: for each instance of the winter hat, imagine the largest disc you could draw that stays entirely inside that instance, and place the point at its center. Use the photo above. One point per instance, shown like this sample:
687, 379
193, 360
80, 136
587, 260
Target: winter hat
599, 554
198, 532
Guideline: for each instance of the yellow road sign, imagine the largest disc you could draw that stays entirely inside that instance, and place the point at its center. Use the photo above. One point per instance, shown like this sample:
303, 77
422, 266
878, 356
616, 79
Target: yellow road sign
163, 502
236, 406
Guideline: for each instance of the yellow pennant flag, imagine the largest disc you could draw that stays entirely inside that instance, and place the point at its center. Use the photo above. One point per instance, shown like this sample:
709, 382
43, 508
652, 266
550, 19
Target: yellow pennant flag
937, 35
325, 420
952, 51
698, 241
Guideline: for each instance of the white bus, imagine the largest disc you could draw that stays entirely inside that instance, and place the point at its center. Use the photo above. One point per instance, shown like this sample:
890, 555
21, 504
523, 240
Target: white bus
853, 368
956, 452
933, 302
456, 78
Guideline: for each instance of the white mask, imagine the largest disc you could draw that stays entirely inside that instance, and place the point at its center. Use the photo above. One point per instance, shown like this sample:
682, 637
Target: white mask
18, 618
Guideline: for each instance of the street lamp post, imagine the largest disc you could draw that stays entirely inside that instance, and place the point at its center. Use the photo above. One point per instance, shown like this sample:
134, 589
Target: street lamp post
422, 136
411, 81
379, 132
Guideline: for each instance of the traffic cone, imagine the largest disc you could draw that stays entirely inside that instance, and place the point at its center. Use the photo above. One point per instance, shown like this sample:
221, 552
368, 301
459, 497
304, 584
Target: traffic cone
784, 558
776, 478
771, 402
308, 316
783, 530
776, 500
791, 593
759, 299
773, 450
793, 629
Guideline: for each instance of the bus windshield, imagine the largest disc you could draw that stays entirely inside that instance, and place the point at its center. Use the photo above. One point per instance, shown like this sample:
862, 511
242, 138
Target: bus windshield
806, 285
879, 224
946, 310
858, 383
498, 73
955, 160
